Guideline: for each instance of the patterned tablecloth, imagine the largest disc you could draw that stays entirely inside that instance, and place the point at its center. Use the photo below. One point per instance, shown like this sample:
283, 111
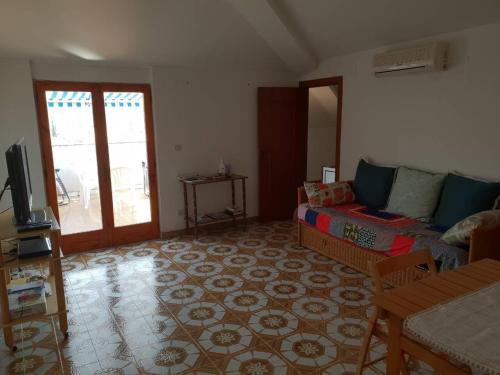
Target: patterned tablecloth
466, 328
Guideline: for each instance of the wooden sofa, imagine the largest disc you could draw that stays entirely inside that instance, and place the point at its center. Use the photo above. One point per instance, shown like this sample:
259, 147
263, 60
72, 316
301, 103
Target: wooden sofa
485, 243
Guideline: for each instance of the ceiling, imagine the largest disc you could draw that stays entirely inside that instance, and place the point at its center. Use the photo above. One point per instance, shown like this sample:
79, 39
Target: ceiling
156, 32
339, 27
277, 34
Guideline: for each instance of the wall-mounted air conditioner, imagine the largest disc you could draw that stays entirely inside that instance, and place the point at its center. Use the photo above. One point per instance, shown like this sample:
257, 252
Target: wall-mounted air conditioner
423, 58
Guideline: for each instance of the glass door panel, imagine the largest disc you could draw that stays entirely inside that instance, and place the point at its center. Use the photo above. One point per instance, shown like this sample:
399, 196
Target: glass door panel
128, 158
72, 135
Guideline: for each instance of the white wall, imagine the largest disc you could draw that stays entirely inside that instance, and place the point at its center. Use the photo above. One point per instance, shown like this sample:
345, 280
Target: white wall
438, 121
320, 136
212, 115
18, 119
52, 71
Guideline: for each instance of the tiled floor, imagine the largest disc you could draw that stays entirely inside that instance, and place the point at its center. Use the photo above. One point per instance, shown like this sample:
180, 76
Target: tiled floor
233, 302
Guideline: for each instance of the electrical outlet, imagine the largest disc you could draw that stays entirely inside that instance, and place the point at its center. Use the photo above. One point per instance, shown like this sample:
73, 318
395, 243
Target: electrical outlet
180, 212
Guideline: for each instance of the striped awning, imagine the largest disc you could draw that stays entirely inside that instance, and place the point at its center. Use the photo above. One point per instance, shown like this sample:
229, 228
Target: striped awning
81, 99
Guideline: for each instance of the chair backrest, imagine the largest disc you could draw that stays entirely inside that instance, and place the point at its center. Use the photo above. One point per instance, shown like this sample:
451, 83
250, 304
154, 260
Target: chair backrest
403, 265
121, 178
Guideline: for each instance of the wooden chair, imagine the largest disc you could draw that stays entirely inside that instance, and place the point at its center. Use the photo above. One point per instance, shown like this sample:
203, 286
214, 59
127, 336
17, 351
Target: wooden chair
379, 270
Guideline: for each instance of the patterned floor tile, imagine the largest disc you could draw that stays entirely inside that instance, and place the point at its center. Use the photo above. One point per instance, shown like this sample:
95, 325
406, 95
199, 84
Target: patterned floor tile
254, 362
34, 333
78, 349
309, 350
245, 300
70, 368
238, 261
32, 360
225, 338
201, 314
233, 301
315, 308
259, 274
273, 322
182, 294
285, 289
169, 357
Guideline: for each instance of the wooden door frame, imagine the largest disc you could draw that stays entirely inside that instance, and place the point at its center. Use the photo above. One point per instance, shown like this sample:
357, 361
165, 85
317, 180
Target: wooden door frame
331, 81
79, 241
144, 231
108, 235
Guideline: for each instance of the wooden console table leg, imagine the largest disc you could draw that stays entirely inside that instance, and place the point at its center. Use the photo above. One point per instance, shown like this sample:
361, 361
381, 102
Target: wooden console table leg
233, 200
7, 331
186, 207
195, 208
299, 234
244, 192
58, 278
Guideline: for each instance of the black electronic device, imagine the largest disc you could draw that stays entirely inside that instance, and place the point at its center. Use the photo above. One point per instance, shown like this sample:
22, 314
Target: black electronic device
38, 221
19, 181
33, 247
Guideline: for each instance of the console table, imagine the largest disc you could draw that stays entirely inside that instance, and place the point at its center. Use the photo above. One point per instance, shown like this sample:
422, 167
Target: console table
56, 302
203, 180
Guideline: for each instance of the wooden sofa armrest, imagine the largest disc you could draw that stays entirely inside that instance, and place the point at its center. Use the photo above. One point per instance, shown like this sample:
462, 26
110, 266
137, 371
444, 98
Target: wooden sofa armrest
485, 243
301, 196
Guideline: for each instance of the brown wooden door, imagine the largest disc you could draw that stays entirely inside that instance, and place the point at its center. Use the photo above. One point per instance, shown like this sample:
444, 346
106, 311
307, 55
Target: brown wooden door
99, 162
282, 119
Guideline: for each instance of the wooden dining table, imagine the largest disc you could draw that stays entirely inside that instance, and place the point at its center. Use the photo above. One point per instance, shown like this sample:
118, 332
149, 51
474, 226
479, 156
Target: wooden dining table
402, 302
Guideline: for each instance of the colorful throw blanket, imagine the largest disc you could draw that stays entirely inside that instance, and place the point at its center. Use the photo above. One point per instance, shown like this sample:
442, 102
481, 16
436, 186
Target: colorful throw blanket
382, 231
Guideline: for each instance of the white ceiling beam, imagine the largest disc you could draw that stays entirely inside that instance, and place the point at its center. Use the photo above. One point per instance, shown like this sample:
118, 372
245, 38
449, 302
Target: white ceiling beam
276, 30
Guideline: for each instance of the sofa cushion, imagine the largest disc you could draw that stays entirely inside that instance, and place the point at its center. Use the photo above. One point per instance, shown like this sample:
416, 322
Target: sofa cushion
385, 233
372, 184
328, 195
463, 197
415, 193
460, 233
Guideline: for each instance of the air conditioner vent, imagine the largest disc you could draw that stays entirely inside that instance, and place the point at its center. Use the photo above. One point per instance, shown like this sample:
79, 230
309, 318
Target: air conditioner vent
426, 57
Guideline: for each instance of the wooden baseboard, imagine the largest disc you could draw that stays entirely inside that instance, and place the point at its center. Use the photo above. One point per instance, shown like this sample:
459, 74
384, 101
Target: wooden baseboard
180, 232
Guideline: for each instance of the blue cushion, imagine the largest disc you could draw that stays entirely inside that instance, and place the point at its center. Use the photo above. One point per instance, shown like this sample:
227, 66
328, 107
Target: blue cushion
372, 184
463, 197
311, 217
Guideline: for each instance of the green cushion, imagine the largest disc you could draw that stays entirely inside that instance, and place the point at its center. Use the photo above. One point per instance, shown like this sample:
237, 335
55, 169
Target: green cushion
372, 184
415, 193
463, 197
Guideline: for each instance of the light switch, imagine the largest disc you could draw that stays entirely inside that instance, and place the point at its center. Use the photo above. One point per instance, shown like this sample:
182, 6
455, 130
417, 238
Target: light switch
178, 147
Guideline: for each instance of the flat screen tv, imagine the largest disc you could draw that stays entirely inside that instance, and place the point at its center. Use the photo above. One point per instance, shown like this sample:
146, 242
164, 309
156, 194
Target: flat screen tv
19, 181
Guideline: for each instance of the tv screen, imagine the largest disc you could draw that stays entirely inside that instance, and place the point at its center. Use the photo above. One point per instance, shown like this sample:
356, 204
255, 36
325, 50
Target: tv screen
19, 181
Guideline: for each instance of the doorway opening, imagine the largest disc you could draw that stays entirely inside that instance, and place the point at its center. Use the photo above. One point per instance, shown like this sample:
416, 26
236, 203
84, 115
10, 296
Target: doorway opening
283, 144
98, 148
324, 128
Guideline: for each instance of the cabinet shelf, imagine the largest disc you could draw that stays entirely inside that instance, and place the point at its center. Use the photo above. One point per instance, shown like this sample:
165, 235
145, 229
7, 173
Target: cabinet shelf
44, 259
52, 308
56, 302
210, 220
